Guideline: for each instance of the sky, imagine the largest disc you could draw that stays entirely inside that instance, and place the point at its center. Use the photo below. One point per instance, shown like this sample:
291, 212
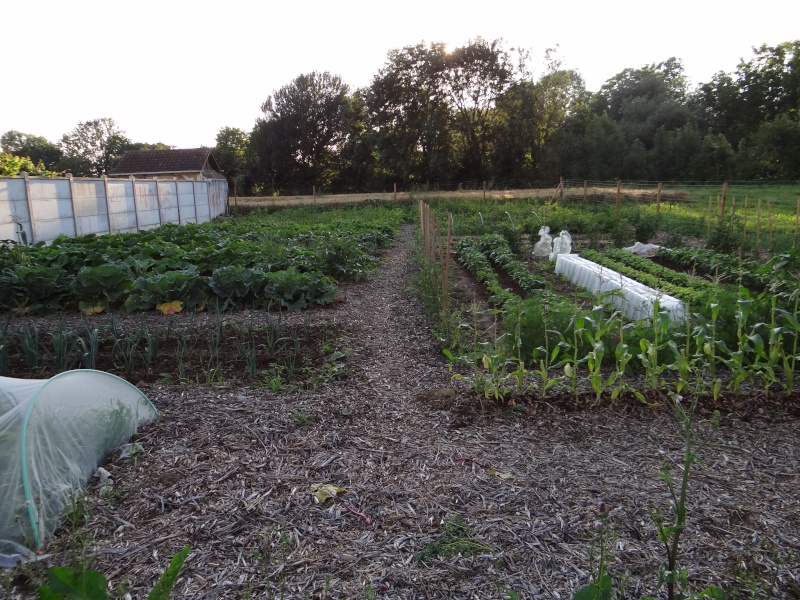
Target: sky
177, 72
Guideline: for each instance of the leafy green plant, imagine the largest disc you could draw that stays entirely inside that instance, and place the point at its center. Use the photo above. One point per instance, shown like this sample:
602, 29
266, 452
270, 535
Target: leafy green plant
82, 584
101, 285
671, 573
89, 348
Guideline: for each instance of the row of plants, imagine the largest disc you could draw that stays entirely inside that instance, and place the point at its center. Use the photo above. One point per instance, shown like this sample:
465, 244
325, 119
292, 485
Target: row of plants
255, 260
498, 249
733, 342
272, 352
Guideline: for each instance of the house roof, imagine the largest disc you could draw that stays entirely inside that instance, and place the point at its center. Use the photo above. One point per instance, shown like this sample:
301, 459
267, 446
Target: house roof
152, 162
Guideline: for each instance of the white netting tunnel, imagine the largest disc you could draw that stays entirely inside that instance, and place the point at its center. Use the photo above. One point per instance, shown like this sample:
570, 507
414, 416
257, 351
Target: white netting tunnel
53, 434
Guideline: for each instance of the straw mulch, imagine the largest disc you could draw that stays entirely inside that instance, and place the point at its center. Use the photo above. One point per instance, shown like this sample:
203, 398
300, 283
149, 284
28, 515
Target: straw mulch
228, 470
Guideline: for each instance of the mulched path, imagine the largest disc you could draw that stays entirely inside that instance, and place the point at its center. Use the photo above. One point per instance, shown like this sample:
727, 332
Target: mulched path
228, 470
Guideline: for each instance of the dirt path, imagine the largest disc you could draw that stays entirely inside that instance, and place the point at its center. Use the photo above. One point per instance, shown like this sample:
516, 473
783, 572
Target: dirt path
229, 469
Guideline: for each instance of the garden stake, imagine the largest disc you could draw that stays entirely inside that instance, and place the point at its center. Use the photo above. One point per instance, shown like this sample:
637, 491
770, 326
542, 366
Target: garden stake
744, 231
769, 219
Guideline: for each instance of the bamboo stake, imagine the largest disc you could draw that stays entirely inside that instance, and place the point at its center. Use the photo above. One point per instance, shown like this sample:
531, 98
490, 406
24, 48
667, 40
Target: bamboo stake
758, 227
658, 198
744, 232
769, 219
724, 197
796, 221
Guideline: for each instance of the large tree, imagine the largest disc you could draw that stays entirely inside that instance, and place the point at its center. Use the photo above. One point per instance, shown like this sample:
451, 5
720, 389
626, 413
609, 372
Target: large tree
93, 147
298, 139
410, 114
475, 76
232, 151
35, 147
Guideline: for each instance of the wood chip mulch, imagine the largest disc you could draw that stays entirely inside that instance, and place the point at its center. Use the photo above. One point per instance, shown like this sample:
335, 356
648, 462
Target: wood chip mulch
228, 470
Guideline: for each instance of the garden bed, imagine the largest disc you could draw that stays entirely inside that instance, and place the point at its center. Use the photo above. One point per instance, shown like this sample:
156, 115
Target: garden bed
228, 470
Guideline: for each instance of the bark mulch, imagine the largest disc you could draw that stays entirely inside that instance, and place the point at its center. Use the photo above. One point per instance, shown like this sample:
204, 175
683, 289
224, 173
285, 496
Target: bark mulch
228, 470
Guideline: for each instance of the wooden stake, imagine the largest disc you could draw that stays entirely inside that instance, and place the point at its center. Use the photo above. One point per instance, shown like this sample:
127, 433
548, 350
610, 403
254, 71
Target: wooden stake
619, 193
744, 232
796, 221
758, 227
584, 190
395, 192
560, 187
314, 192
769, 219
658, 198
733, 212
708, 219
484, 190
724, 198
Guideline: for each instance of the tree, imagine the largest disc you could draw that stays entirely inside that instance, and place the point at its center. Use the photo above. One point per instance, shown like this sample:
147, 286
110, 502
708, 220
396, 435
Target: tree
93, 147
12, 165
647, 100
35, 147
410, 115
301, 132
528, 116
475, 76
231, 151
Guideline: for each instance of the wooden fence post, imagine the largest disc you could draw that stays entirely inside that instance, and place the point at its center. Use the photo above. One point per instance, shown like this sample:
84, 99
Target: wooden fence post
484, 190
395, 192
584, 190
619, 193
560, 187
708, 219
658, 198
314, 193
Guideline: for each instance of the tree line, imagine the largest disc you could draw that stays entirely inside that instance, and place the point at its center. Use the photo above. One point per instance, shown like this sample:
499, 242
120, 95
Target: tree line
477, 113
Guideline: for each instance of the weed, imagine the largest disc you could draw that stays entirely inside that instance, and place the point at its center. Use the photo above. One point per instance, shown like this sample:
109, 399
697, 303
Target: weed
301, 418
456, 538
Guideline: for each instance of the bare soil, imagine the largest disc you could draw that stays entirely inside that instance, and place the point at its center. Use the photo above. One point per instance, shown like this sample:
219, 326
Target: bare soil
228, 470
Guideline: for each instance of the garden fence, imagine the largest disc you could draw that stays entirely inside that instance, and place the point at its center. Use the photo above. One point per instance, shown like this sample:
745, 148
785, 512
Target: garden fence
39, 209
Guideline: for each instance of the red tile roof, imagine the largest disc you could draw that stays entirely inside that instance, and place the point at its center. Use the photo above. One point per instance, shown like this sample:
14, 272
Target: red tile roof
152, 162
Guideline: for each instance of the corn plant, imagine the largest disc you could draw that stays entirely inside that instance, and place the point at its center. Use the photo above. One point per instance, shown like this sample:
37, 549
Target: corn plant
543, 357
659, 327
571, 348
706, 343
595, 329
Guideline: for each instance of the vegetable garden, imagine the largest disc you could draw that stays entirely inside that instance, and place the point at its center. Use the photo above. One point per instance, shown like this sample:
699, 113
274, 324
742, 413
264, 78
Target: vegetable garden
502, 447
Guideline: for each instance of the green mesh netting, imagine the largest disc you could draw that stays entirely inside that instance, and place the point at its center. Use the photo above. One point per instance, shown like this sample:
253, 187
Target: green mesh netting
53, 434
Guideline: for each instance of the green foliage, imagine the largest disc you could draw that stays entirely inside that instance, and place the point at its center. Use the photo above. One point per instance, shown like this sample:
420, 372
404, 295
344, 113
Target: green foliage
106, 283
456, 538
64, 582
12, 166
186, 285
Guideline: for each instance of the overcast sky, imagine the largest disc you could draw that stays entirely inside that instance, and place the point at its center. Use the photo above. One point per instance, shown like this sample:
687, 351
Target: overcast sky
177, 71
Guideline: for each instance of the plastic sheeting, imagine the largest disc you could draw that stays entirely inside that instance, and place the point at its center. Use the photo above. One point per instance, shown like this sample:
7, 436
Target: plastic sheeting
53, 434
633, 299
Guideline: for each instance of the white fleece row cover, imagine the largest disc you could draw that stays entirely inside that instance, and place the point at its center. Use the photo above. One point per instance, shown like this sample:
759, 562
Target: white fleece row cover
53, 434
633, 299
